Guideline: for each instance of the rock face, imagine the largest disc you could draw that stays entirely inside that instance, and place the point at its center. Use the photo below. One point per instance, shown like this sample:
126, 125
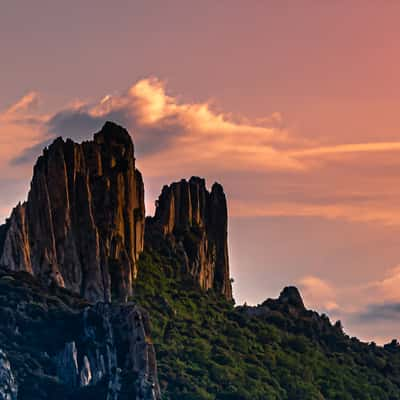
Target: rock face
289, 303
82, 226
114, 342
60, 346
195, 223
8, 385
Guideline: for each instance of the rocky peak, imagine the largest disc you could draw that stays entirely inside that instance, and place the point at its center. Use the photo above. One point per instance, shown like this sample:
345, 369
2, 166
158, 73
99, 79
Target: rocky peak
291, 295
113, 134
195, 222
82, 226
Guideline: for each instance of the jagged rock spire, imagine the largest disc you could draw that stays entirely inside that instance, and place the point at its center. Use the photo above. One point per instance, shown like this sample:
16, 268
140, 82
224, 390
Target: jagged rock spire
196, 221
82, 226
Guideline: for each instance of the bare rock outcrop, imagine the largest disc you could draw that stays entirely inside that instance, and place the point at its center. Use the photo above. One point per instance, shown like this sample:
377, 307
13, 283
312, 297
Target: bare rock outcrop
114, 346
195, 222
56, 345
289, 303
82, 226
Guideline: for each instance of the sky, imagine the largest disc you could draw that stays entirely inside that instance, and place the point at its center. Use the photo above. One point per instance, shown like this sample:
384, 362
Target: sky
291, 106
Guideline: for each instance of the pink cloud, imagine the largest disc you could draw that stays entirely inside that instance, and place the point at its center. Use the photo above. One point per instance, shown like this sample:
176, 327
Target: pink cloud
360, 306
347, 148
25, 104
318, 293
363, 212
173, 137
17, 131
208, 139
387, 288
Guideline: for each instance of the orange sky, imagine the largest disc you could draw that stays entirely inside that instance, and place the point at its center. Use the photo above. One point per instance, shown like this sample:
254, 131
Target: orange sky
292, 106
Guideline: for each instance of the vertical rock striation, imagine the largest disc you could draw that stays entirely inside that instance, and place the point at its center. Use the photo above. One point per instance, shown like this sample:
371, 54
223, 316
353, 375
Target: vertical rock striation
195, 222
82, 226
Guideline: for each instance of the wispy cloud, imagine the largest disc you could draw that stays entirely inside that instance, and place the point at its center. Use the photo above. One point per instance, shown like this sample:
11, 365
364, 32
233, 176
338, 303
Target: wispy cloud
165, 127
174, 134
19, 127
319, 292
173, 137
347, 148
24, 105
362, 212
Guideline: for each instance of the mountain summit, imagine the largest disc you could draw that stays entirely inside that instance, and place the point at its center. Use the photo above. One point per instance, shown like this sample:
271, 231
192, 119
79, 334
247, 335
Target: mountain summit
82, 226
194, 222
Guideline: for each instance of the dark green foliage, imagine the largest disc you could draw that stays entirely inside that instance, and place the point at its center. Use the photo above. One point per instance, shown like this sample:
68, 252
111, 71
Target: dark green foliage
208, 349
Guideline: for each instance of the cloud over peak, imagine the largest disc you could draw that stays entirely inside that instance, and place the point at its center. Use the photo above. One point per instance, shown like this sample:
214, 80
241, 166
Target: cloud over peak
173, 137
267, 170
170, 129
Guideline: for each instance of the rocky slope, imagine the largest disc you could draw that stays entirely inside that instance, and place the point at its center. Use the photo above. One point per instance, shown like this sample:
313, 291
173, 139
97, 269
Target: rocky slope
54, 344
194, 222
82, 226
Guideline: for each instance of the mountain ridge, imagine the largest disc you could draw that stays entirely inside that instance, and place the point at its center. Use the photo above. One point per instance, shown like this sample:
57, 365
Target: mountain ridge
83, 224
99, 302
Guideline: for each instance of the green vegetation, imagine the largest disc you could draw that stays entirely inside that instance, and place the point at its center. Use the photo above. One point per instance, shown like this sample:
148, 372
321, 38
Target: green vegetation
208, 349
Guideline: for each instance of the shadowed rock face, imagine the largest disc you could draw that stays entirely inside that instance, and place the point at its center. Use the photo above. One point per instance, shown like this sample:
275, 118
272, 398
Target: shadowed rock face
114, 346
195, 222
291, 295
82, 226
8, 386
60, 346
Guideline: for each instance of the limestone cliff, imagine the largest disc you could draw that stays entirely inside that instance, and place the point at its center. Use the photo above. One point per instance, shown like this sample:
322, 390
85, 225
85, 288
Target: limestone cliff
82, 226
195, 222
